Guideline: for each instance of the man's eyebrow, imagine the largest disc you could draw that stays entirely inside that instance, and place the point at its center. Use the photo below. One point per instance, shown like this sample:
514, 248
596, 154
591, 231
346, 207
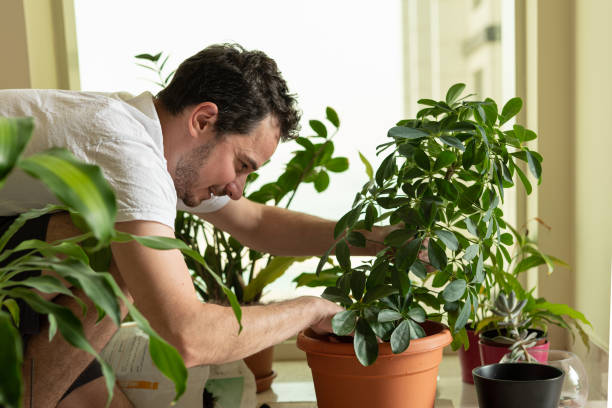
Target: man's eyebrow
252, 163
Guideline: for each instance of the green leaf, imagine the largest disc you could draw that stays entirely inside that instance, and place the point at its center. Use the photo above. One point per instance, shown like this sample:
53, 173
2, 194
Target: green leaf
453, 93
358, 283
407, 254
445, 158
11, 359
94, 284
321, 181
277, 266
561, 309
452, 141
22, 219
337, 164
15, 134
387, 315
336, 295
69, 326
343, 323
379, 292
365, 343
529, 262
398, 237
510, 109
534, 165
454, 290
332, 116
356, 239
524, 180
80, 186
464, 315
437, 256
471, 252
370, 217
449, 239
421, 159
368, 167
403, 132
43, 283
417, 313
149, 57
416, 331
13, 309
400, 339
318, 127
343, 255
305, 143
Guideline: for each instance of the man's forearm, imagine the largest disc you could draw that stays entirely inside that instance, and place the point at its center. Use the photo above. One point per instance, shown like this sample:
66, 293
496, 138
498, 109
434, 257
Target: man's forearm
290, 233
211, 336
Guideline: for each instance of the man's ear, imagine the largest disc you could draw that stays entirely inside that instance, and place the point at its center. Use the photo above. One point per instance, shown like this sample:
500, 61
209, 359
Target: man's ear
202, 119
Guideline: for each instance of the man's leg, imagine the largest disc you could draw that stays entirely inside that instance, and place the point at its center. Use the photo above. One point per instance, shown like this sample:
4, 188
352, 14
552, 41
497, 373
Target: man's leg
51, 367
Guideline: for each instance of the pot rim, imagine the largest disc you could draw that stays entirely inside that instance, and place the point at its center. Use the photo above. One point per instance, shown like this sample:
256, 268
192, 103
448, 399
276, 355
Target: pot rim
312, 343
475, 373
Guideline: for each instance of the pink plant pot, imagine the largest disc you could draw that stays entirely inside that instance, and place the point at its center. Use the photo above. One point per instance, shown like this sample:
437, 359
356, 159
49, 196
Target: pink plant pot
492, 353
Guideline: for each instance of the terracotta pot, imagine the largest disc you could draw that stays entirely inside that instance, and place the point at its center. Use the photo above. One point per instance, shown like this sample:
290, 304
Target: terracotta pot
261, 365
491, 351
394, 380
470, 358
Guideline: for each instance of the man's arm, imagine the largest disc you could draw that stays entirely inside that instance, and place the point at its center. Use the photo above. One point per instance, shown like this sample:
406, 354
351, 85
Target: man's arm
283, 232
162, 289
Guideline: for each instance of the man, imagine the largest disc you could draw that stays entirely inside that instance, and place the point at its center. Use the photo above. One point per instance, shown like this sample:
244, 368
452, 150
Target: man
191, 147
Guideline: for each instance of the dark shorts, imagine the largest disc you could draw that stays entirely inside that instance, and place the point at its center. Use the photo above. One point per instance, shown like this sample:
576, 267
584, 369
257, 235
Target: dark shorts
29, 320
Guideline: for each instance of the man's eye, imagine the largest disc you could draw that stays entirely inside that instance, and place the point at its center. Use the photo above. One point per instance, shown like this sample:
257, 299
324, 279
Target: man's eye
244, 166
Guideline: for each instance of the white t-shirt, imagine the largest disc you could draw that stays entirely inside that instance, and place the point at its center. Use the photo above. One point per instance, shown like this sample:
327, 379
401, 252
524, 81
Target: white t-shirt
118, 132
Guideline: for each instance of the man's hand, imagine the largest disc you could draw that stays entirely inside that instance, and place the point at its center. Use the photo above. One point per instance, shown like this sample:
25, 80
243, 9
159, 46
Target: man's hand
327, 311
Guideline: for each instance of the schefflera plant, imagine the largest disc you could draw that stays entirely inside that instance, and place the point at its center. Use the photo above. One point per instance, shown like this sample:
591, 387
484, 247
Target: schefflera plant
440, 187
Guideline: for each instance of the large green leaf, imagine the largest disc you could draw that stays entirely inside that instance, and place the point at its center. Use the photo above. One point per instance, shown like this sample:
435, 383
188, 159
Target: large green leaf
365, 343
343, 323
400, 339
14, 136
80, 186
454, 92
274, 270
94, 284
11, 358
69, 326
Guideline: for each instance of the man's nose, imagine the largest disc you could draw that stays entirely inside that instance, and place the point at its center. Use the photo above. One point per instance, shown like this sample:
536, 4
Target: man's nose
235, 189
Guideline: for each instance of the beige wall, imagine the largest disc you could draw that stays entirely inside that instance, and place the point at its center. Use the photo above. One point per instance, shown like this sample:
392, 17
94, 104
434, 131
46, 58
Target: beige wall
38, 44
593, 162
563, 74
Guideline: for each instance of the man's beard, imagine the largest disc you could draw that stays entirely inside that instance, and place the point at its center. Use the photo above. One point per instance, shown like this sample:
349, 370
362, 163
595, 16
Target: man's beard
186, 173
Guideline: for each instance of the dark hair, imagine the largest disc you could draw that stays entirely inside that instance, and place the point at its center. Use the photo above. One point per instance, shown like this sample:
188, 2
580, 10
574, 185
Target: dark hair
245, 85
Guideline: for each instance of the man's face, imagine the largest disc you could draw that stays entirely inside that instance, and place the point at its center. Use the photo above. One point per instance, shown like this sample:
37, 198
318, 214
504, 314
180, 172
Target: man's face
220, 166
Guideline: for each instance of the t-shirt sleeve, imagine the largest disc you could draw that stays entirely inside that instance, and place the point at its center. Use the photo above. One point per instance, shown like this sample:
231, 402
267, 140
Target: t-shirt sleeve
143, 187
213, 204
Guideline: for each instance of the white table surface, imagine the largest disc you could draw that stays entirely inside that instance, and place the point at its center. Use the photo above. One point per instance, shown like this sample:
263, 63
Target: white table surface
293, 388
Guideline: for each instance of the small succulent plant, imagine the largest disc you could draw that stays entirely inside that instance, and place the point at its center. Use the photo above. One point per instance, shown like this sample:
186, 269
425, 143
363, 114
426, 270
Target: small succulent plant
517, 336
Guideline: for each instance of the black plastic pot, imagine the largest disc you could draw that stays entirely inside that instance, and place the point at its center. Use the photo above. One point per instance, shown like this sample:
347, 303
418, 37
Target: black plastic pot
512, 385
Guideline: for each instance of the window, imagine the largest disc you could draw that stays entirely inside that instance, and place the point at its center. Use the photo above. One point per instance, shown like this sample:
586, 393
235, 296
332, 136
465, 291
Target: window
370, 63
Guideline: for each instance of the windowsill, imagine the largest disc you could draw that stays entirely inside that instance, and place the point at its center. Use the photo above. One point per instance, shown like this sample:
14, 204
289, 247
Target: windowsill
293, 388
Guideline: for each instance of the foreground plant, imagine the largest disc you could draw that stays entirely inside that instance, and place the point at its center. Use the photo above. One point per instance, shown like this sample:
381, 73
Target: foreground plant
440, 184
91, 203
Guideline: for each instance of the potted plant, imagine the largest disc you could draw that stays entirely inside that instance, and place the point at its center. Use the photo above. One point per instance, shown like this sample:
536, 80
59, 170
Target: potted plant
440, 186
537, 313
91, 202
